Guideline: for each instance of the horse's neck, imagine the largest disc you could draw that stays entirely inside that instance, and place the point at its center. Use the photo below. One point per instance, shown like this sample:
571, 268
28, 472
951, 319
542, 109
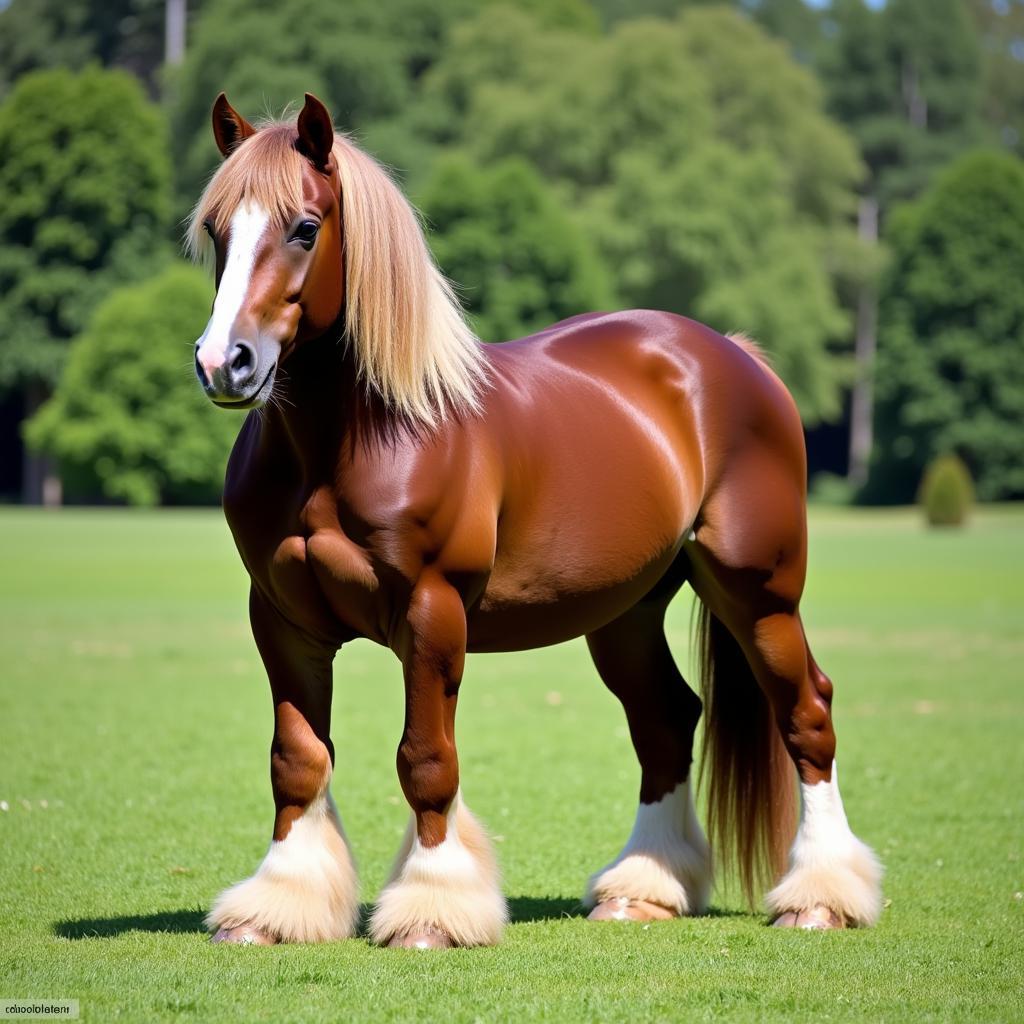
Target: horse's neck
312, 390
320, 405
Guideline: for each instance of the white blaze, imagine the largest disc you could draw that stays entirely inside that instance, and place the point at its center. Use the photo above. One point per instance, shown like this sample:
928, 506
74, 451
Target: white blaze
247, 227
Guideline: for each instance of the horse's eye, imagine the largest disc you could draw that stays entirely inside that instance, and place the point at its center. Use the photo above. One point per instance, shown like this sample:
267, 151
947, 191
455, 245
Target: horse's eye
208, 228
305, 233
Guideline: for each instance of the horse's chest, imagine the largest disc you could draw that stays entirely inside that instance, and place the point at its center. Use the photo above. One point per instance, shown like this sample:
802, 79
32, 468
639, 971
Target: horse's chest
327, 577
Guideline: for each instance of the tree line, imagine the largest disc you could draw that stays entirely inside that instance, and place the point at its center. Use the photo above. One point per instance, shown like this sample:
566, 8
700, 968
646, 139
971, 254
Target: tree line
841, 182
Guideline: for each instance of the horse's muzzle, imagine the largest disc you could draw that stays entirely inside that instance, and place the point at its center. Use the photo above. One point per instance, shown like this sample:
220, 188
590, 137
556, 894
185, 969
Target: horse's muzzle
234, 381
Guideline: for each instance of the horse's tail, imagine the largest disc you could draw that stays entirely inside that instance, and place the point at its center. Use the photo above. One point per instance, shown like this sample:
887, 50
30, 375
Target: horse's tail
744, 764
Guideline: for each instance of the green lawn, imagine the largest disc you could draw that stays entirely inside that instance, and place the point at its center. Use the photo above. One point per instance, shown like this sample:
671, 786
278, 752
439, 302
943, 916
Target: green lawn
134, 723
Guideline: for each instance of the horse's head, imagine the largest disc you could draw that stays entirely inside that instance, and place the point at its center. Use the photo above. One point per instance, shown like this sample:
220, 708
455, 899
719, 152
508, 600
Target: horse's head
286, 274
272, 213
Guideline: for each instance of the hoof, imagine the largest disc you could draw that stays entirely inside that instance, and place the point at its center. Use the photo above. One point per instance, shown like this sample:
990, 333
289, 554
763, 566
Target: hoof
423, 938
819, 918
622, 908
244, 935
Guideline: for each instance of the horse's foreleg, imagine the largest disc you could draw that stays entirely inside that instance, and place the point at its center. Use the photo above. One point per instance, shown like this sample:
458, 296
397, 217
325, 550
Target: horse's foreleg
306, 889
444, 889
664, 870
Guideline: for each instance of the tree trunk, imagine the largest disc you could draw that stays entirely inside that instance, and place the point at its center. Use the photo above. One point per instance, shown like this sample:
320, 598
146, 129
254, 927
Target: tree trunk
40, 483
862, 405
174, 31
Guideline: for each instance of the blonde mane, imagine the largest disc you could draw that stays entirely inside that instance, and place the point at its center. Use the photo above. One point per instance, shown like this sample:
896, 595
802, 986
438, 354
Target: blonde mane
410, 338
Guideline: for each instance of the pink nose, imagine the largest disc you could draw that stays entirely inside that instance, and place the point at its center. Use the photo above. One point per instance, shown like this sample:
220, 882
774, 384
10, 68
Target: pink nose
210, 361
227, 373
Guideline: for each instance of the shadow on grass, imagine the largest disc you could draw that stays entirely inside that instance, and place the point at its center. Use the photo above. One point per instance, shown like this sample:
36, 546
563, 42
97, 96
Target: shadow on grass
547, 908
521, 910
176, 921
543, 908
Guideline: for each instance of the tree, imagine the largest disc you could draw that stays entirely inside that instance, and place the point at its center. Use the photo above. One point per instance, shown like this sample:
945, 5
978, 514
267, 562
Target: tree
518, 259
85, 175
38, 34
906, 80
950, 376
362, 58
699, 161
794, 21
128, 420
1000, 25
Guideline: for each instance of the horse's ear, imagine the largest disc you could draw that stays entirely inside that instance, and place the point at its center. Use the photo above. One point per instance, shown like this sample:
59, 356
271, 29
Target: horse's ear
230, 129
316, 133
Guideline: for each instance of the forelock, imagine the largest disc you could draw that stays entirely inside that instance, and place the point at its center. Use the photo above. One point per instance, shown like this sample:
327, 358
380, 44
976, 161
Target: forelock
265, 170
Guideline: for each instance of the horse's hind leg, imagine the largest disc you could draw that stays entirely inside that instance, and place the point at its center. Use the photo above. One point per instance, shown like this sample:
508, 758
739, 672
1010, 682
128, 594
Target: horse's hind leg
747, 565
664, 870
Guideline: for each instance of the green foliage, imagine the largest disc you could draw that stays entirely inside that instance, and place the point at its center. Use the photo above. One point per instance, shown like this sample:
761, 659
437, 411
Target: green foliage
906, 79
361, 57
84, 175
830, 489
946, 493
36, 34
950, 375
519, 260
571, 154
711, 191
128, 420
1000, 27
794, 21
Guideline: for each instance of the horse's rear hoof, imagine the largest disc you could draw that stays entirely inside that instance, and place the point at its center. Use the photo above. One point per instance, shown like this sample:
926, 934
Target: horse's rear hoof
622, 908
819, 918
423, 938
244, 935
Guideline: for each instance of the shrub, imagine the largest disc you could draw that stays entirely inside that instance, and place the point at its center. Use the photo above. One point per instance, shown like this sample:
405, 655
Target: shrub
128, 421
832, 489
947, 492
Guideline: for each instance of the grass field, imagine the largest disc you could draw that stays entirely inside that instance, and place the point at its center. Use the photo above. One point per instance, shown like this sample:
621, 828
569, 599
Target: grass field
134, 722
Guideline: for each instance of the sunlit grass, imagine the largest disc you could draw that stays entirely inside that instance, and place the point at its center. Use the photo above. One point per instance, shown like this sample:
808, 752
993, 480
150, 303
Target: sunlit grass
134, 723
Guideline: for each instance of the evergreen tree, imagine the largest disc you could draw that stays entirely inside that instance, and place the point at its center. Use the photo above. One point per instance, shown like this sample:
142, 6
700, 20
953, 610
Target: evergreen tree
906, 80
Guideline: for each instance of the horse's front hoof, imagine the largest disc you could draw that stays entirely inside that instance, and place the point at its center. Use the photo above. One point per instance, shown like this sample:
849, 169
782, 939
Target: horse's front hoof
819, 918
244, 935
622, 908
423, 938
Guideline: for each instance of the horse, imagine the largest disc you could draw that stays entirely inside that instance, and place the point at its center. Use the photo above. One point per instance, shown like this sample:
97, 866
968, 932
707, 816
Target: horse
399, 480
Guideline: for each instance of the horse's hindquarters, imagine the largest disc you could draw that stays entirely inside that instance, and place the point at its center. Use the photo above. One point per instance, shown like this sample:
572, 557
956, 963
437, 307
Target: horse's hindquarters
602, 484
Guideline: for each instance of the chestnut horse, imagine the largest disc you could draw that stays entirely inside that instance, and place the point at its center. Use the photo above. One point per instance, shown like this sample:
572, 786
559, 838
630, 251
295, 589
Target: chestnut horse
404, 482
